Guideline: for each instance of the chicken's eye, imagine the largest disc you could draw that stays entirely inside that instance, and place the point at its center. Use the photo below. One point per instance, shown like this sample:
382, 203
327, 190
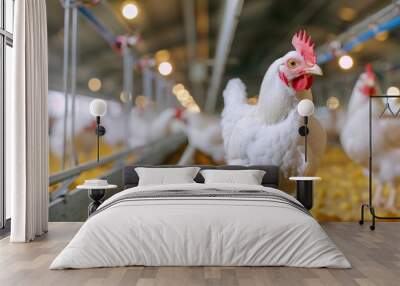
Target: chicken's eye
291, 63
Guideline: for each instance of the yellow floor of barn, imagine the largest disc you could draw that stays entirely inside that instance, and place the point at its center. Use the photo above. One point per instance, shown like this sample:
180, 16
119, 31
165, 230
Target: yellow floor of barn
343, 188
337, 197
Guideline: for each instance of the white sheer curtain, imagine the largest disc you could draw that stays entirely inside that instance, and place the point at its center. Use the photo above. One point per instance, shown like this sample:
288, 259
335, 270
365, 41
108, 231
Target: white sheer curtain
27, 124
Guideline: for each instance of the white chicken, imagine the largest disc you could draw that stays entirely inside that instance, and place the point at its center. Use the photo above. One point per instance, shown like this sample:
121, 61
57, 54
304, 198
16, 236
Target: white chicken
385, 137
149, 126
205, 134
331, 120
267, 133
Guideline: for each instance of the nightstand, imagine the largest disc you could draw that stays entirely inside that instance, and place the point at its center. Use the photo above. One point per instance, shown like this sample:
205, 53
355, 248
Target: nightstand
96, 194
304, 190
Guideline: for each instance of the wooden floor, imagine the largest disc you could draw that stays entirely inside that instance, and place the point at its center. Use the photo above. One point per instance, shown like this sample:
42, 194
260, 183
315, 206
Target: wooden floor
375, 257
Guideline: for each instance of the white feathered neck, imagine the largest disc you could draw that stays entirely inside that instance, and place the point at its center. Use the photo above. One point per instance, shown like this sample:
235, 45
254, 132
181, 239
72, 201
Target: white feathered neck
358, 99
275, 99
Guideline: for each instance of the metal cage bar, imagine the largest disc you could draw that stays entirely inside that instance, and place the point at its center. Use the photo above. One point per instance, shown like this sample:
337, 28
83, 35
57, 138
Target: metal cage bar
370, 204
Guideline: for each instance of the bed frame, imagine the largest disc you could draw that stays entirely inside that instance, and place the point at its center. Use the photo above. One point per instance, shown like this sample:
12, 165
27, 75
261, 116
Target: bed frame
270, 179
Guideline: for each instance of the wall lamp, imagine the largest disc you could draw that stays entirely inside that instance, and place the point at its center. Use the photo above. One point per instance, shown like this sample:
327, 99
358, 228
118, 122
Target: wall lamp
98, 108
305, 108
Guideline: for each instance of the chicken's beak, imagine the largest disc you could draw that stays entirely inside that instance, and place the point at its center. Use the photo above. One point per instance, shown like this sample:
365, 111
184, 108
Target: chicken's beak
315, 70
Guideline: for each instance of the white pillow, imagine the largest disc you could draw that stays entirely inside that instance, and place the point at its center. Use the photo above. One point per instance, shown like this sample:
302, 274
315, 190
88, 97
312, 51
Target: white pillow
166, 176
248, 177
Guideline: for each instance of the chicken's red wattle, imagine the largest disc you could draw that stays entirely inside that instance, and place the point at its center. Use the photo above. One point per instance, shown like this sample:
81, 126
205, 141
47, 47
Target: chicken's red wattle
367, 90
302, 82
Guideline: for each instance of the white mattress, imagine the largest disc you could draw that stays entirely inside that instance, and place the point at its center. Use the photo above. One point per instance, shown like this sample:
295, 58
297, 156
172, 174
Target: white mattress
200, 231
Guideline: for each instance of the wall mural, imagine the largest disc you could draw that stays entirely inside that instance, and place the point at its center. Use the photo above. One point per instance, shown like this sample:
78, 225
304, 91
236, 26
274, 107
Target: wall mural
263, 131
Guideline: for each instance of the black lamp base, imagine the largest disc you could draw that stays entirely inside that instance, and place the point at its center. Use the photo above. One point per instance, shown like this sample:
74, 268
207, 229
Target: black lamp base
97, 196
303, 130
100, 130
305, 193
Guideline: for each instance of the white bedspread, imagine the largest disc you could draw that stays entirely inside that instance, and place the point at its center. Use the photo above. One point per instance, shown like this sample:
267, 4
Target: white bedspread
200, 231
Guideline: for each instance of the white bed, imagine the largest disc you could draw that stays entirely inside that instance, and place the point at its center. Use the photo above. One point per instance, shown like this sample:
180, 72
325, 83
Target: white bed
184, 230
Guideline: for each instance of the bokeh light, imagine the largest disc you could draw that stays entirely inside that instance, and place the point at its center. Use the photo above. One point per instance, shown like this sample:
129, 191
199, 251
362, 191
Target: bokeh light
141, 101
333, 103
165, 68
177, 88
125, 96
393, 90
346, 62
94, 84
130, 10
162, 56
185, 98
346, 14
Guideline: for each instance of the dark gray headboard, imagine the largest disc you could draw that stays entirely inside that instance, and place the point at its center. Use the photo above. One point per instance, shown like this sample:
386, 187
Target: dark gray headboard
271, 177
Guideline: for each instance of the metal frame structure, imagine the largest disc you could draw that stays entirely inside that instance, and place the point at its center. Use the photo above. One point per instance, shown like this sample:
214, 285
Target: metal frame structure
73, 172
141, 154
71, 9
370, 205
119, 43
231, 13
386, 19
69, 82
6, 39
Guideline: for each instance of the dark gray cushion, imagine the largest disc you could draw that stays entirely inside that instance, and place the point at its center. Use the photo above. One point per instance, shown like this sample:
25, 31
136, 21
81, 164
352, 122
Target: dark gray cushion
270, 179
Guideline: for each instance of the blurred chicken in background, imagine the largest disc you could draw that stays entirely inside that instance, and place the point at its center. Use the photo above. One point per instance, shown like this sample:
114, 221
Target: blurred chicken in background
332, 120
385, 137
149, 125
205, 134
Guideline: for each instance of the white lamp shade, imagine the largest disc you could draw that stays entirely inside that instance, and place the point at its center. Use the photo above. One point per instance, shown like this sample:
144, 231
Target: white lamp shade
98, 107
305, 107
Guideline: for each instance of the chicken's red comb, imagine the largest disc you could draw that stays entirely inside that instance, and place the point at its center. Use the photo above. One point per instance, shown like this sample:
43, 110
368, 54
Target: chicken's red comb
178, 113
369, 71
304, 45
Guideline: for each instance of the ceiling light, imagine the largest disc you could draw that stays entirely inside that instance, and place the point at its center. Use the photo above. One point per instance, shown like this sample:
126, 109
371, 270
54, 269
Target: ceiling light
130, 10
165, 68
346, 62
94, 84
393, 90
